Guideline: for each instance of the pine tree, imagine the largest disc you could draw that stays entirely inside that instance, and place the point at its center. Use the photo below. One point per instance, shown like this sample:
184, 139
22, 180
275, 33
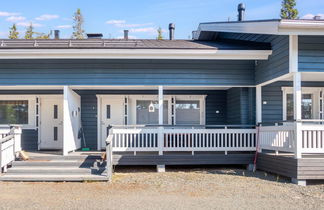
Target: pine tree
78, 25
13, 33
288, 10
160, 34
29, 32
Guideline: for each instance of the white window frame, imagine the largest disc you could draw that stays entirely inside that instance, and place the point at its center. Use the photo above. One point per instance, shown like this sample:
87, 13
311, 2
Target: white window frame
202, 106
315, 91
31, 108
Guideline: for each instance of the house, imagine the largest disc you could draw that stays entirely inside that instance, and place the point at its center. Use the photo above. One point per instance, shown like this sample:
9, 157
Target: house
237, 87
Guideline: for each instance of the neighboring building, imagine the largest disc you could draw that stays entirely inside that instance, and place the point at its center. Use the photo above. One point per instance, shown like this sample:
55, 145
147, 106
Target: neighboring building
175, 102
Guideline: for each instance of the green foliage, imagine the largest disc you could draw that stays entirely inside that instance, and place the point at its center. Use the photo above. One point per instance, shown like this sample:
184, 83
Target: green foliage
42, 35
78, 32
160, 34
29, 32
288, 10
13, 33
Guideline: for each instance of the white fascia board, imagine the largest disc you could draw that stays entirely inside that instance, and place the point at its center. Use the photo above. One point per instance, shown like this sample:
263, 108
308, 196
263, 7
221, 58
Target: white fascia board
276, 27
268, 27
134, 54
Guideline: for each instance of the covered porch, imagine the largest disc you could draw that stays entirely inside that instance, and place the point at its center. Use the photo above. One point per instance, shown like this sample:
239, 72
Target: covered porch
291, 130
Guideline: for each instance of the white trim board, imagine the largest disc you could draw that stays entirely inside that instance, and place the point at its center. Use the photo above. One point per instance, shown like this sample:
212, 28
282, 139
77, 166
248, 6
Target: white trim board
134, 54
275, 27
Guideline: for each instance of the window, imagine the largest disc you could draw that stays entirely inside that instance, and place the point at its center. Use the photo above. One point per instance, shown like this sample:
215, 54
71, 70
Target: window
187, 112
144, 116
307, 106
14, 112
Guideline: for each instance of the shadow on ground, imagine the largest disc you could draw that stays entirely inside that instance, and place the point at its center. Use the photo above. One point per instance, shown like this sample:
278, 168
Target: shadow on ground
234, 170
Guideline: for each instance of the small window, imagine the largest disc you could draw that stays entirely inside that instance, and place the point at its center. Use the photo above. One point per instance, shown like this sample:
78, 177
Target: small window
108, 111
55, 111
55, 133
146, 116
307, 106
14, 112
187, 112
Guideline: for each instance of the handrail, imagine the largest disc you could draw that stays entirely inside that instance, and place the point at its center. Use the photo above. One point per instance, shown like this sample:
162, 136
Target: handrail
7, 138
182, 126
109, 160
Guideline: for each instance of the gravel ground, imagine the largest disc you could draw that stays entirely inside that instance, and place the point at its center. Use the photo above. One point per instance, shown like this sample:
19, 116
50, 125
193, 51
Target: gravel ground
178, 188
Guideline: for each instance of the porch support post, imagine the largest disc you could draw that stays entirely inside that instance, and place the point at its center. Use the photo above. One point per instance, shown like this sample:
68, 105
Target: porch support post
297, 113
258, 104
160, 130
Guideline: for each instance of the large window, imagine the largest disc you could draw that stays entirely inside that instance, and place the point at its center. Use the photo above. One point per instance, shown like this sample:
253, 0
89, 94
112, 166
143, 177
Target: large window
147, 112
307, 106
187, 112
14, 112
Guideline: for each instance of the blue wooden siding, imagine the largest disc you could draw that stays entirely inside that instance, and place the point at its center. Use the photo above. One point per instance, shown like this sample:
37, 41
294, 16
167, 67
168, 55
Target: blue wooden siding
30, 136
215, 100
277, 64
126, 72
311, 53
241, 106
272, 94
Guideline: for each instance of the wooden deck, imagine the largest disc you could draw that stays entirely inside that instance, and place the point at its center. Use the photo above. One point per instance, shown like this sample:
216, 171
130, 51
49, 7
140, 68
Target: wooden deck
309, 167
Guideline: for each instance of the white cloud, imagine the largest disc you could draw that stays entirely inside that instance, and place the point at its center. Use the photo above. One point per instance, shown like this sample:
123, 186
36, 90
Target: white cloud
27, 23
6, 14
15, 18
64, 26
123, 24
311, 16
47, 17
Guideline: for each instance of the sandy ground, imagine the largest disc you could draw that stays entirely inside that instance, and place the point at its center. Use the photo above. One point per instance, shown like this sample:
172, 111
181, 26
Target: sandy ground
179, 188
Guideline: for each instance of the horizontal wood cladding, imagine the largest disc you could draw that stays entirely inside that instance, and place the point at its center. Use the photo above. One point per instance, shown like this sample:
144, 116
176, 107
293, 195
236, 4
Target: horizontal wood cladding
311, 53
281, 165
200, 159
277, 64
215, 100
126, 72
311, 168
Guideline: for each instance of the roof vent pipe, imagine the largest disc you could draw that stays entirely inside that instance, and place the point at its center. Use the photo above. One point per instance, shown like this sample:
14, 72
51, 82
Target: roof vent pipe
126, 34
56, 34
241, 11
171, 30
317, 17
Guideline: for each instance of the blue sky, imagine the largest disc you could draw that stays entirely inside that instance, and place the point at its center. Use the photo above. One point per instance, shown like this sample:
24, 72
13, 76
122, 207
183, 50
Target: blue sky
141, 17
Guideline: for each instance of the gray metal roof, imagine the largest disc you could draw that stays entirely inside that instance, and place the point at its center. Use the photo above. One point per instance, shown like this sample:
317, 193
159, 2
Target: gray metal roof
131, 44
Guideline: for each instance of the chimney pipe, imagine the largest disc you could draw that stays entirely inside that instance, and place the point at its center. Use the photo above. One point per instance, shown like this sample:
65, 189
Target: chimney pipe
126, 34
56, 34
241, 11
171, 30
317, 17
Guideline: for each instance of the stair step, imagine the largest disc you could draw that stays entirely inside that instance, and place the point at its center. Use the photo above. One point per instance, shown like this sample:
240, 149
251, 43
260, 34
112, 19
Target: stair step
59, 163
70, 157
52, 178
54, 170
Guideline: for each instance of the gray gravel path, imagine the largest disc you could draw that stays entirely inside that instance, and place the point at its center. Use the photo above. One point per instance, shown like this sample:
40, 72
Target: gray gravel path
185, 188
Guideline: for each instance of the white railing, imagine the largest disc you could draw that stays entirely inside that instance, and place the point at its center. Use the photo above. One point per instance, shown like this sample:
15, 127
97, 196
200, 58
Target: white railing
191, 139
277, 138
10, 144
312, 138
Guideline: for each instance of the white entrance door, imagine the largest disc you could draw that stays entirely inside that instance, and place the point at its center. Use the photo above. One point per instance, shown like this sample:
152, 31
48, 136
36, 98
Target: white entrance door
51, 123
112, 113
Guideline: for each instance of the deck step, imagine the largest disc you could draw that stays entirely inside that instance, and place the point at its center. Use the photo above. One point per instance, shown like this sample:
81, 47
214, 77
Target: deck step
52, 178
54, 170
70, 157
58, 163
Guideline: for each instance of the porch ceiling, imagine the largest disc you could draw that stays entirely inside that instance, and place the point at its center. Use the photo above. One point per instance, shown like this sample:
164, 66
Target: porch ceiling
98, 87
309, 77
